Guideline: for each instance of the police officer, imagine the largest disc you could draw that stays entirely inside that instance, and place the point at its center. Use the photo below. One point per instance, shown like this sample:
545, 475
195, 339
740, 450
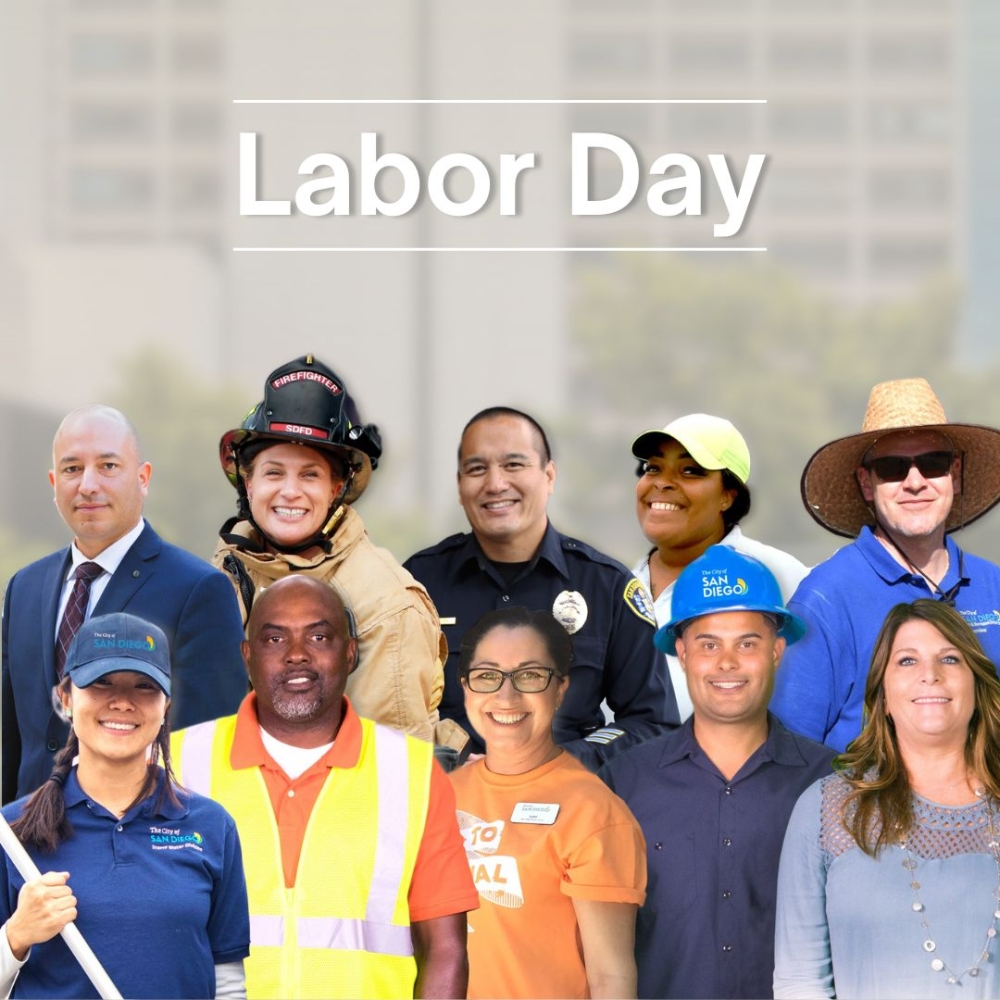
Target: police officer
513, 556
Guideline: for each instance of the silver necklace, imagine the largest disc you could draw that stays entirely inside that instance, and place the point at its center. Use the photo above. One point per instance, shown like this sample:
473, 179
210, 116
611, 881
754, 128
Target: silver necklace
938, 964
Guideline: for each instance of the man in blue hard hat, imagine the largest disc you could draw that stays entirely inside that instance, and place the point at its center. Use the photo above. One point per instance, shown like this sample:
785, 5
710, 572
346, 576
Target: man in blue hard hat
713, 797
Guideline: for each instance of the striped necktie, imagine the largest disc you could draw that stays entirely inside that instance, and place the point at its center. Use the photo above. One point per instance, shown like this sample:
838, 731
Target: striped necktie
76, 610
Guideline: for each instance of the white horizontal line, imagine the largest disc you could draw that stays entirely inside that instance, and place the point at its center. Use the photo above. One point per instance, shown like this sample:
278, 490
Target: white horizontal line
500, 249
298, 100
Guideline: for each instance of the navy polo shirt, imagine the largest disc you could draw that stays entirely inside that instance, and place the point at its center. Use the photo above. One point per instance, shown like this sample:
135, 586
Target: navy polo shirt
712, 849
613, 654
161, 898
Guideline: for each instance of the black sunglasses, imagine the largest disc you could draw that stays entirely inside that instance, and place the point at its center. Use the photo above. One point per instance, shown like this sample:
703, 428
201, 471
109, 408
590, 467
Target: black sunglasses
895, 468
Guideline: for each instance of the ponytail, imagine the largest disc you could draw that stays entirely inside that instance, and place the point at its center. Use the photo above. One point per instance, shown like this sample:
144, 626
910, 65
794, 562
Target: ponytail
44, 824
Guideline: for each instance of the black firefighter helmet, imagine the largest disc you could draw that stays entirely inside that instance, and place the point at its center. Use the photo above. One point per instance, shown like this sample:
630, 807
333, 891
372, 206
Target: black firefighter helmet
306, 402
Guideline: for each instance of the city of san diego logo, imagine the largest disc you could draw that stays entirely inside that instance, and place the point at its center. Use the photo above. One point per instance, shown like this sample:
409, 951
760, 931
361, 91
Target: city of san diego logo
717, 584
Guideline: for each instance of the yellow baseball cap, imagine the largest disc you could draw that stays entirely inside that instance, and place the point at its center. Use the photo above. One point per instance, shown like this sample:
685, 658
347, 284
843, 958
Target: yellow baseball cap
713, 442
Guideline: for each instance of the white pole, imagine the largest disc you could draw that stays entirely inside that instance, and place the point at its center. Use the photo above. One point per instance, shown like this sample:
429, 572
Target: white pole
70, 933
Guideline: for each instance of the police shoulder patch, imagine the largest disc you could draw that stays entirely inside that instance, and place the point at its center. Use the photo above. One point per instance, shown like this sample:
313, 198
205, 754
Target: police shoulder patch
639, 601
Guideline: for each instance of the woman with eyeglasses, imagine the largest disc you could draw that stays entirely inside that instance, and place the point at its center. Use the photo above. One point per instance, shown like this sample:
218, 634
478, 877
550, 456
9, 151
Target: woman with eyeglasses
692, 493
558, 859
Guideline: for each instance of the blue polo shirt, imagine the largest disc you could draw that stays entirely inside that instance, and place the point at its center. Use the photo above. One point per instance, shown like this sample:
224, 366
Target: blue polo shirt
712, 849
820, 686
614, 658
161, 898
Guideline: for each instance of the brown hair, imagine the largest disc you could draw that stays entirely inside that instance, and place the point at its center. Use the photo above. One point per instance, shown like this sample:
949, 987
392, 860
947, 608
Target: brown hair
252, 450
44, 824
879, 808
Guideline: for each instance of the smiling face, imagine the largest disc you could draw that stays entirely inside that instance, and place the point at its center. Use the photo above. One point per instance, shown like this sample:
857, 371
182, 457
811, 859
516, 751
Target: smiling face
117, 717
291, 488
504, 485
99, 482
678, 503
928, 687
729, 659
917, 507
299, 655
516, 727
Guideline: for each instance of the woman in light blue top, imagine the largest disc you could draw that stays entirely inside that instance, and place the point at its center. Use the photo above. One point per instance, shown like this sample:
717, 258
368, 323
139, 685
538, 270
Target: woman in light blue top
889, 883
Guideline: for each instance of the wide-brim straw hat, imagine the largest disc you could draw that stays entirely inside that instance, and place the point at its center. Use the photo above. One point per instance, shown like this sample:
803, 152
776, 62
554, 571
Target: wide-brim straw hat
830, 489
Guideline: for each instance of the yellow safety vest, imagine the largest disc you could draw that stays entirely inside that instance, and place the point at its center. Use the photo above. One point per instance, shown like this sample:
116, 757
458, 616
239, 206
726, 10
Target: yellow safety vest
343, 929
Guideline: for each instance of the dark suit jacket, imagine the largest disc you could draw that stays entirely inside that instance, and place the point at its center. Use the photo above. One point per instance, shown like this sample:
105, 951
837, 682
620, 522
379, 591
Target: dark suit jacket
193, 603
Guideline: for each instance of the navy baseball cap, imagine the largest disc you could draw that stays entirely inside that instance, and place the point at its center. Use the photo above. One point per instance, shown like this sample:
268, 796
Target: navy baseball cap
119, 641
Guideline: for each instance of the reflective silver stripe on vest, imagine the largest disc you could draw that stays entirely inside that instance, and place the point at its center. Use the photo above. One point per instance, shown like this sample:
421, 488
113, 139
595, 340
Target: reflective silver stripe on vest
376, 933
393, 765
353, 935
196, 758
267, 931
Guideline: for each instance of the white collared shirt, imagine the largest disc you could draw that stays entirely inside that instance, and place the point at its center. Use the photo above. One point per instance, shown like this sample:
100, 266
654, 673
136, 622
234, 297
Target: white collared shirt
109, 560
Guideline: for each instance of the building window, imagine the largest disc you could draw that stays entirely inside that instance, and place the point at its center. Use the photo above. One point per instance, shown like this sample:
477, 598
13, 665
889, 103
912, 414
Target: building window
909, 54
820, 123
809, 55
893, 256
709, 54
910, 121
111, 188
193, 190
909, 188
111, 55
708, 122
609, 54
93, 122
197, 55
802, 189
196, 123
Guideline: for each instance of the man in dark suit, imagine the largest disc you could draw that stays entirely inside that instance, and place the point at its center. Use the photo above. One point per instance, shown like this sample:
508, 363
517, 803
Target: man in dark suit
116, 563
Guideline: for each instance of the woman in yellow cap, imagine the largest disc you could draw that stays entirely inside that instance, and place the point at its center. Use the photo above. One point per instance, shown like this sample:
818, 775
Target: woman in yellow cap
691, 494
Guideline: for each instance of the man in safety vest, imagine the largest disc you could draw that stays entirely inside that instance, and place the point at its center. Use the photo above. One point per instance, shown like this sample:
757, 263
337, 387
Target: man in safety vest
356, 872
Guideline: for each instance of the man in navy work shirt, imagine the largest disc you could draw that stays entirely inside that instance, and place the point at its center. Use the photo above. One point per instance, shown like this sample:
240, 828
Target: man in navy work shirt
713, 798
513, 556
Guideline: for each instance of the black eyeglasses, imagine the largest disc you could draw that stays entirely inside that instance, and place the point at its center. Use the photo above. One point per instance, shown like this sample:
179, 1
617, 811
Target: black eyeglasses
895, 468
527, 680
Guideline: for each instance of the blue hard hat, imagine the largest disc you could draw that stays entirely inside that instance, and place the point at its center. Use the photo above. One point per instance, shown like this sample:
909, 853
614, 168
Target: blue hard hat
722, 579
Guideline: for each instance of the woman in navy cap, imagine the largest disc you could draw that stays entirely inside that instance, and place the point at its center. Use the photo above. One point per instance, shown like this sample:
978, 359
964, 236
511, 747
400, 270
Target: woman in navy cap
152, 875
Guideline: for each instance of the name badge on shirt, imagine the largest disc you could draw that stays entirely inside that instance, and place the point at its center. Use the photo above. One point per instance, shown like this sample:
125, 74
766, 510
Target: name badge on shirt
541, 813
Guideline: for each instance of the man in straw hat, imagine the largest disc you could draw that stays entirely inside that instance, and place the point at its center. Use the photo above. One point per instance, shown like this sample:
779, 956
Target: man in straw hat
897, 488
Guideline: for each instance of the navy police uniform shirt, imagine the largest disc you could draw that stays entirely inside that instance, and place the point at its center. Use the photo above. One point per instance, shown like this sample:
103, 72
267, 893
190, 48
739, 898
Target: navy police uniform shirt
608, 614
712, 849
161, 897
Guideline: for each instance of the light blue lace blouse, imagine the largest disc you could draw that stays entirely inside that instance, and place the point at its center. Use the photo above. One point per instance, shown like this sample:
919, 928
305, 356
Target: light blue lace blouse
846, 926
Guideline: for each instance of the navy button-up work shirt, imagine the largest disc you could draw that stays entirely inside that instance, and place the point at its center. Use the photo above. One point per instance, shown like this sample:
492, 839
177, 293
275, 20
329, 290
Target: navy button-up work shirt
712, 847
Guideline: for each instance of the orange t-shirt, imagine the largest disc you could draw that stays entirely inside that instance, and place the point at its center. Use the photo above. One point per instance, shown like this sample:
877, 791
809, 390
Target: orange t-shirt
523, 940
440, 886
